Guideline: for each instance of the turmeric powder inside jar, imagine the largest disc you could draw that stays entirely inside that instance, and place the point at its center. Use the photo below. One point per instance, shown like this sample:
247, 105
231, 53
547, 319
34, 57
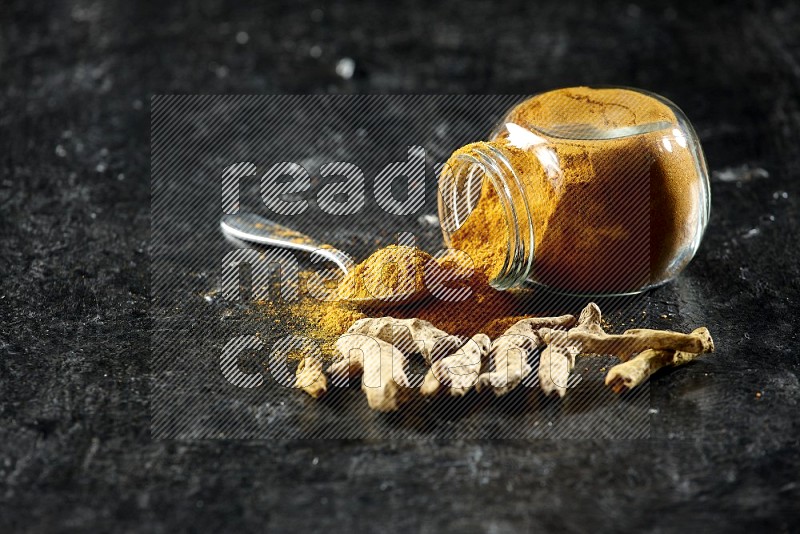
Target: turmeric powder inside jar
594, 191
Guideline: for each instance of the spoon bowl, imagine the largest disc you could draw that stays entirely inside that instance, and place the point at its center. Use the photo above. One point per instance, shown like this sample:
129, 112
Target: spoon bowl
252, 228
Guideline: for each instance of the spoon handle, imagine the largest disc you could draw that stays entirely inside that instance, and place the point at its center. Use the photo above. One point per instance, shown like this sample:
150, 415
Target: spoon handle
253, 228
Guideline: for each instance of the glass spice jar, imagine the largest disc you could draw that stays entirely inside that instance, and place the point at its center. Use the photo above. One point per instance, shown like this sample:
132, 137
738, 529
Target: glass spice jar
590, 191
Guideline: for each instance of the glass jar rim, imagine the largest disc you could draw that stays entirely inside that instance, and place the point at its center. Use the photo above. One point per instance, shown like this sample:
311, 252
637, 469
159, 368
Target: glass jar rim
482, 160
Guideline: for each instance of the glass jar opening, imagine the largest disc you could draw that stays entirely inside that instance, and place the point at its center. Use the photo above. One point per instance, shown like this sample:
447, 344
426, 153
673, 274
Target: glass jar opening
480, 215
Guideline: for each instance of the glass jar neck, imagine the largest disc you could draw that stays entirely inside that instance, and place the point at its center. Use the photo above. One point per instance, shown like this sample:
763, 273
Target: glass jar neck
462, 185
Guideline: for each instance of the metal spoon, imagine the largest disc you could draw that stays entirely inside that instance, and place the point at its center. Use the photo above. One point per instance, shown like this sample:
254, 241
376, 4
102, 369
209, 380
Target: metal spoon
252, 228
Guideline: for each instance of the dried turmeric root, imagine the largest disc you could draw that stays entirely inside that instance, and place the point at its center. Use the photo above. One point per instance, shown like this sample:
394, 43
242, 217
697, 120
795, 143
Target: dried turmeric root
460, 370
409, 336
376, 349
631, 341
510, 352
382, 366
310, 378
635, 371
557, 362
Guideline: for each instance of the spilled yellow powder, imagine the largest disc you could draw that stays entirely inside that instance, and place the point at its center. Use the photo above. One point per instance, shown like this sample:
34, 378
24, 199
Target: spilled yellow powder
325, 321
390, 271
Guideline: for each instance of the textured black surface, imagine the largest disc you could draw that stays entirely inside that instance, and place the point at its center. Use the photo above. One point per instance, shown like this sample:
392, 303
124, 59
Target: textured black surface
76, 79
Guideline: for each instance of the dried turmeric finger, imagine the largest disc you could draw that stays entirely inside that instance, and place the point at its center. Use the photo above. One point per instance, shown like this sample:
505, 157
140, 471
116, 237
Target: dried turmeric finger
557, 361
635, 371
310, 378
511, 351
409, 336
631, 342
382, 367
460, 370
555, 365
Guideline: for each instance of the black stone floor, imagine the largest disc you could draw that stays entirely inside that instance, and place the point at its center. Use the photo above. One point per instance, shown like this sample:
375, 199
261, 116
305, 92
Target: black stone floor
76, 452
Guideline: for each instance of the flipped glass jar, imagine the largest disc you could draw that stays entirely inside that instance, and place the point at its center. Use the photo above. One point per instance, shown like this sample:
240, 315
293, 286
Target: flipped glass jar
586, 191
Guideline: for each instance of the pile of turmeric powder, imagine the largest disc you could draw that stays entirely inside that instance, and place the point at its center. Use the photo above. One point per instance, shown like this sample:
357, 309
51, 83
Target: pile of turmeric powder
391, 272
395, 270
